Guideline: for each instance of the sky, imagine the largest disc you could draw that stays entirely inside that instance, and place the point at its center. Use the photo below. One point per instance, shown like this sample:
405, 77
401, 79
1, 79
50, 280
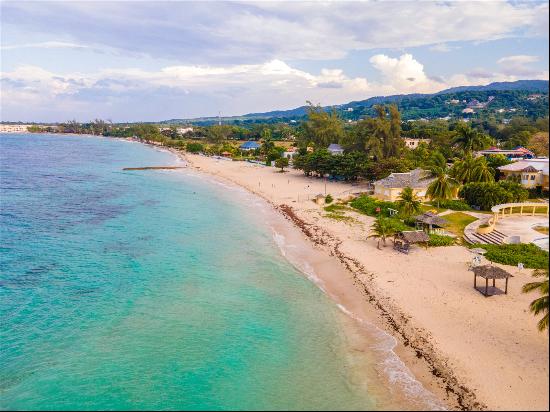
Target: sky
152, 60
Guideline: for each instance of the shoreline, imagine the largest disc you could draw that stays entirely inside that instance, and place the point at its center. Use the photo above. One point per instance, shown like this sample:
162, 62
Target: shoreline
417, 348
362, 307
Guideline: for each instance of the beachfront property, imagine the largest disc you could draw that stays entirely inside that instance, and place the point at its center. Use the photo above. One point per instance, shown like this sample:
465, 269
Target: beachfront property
14, 128
390, 188
335, 149
531, 173
184, 130
290, 153
413, 143
517, 153
249, 146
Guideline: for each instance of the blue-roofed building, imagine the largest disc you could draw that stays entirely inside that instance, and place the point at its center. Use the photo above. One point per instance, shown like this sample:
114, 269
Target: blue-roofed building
335, 149
250, 145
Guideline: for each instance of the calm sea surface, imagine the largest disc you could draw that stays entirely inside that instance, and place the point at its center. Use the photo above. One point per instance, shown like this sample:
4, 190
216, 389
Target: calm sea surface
152, 290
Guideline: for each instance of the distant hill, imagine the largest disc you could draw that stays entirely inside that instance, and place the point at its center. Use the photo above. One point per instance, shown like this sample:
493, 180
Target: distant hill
508, 99
527, 85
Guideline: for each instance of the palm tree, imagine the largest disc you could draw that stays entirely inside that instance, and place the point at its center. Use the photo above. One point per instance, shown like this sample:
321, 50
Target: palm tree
472, 169
444, 186
539, 305
381, 229
408, 202
470, 139
482, 171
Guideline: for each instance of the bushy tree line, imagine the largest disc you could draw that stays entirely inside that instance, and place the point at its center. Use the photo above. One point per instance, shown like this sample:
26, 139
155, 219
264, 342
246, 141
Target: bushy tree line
348, 166
488, 194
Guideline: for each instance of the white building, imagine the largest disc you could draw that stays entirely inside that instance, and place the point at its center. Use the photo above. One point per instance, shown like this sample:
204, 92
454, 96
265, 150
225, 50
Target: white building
335, 149
413, 143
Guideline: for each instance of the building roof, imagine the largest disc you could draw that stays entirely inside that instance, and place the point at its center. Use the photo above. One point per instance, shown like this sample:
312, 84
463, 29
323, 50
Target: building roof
417, 179
413, 236
527, 165
430, 218
519, 150
335, 147
250, 145
491, 272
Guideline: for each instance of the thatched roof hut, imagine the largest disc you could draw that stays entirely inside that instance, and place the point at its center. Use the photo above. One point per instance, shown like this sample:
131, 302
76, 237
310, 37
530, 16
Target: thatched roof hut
490, 272
431, 219
413, 236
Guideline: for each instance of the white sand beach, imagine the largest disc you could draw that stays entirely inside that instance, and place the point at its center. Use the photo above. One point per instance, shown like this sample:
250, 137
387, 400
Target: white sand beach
474, 352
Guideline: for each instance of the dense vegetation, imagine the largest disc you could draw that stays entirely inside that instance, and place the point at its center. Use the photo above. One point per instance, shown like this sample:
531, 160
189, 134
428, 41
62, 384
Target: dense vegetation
530, 255
485, 195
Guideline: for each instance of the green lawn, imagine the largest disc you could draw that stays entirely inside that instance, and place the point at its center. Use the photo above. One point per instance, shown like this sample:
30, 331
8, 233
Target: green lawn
457, 222
428, 208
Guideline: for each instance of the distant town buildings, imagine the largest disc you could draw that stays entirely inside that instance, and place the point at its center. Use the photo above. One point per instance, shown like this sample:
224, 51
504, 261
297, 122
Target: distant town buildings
14, 128
413, 143
184, 130
517, 153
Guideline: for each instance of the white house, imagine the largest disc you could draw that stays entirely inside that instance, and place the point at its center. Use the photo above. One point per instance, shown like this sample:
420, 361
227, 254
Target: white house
335, 149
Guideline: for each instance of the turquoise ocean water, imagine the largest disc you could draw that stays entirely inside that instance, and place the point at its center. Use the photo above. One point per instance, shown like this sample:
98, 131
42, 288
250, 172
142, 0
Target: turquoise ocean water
152, 290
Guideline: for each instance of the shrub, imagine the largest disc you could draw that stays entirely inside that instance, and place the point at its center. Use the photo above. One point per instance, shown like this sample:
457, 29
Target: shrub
530, 255
369, 205
328, 199
441, 240
483, 226
335, 208
410, 221
194, 147
453, 204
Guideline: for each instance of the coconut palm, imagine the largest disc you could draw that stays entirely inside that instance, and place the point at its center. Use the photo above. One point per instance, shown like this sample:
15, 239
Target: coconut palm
381, 229
408, 202
443, 186
470, 139
482, 171
470, 169
539, 305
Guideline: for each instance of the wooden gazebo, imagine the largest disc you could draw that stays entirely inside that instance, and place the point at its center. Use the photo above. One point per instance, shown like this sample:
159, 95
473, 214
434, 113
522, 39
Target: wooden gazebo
430, 222
403, 240
490, 272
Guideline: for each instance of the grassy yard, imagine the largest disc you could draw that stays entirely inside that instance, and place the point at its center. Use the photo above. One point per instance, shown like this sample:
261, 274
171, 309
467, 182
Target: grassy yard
429, 208
337, 212
457, 222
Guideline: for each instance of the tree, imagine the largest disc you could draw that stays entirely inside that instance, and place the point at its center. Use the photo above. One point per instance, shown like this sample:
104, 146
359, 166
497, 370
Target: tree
381, 229
443, 186
539, 305
408, 203
488, 194
218, 133
470, 169
281, 163
470, 139
321, 127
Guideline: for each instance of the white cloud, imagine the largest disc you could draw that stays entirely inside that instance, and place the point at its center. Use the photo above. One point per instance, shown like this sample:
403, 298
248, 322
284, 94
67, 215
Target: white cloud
404, 74
133, 94
260, 31
442, 48
44, 45
518, 65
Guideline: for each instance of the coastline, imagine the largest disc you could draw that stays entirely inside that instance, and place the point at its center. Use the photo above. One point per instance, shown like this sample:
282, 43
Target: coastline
359, 292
